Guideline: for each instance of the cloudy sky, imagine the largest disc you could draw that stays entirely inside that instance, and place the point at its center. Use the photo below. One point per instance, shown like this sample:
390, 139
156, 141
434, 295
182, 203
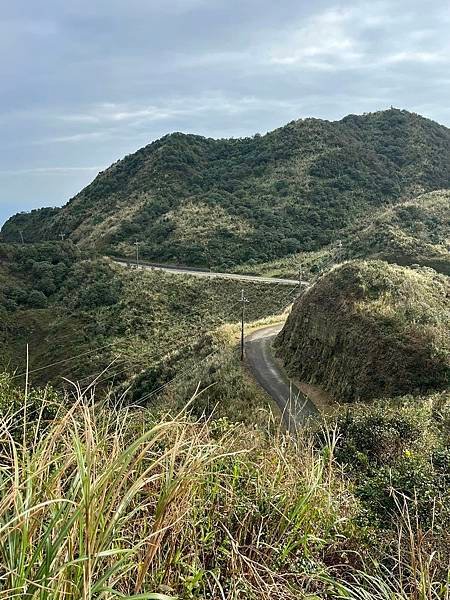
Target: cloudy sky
85, 82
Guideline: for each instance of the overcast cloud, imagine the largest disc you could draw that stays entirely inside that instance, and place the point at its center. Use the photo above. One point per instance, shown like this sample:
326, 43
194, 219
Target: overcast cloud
85, 82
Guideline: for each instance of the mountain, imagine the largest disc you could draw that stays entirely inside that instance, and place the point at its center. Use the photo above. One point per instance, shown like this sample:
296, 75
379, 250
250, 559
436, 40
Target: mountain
416, 231
368, 329
203, 201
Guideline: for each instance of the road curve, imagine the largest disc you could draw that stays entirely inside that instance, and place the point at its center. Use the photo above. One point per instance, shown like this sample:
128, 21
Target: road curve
295, 407
210, 274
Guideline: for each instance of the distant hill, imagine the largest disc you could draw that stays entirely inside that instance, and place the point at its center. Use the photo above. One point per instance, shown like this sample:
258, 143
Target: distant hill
368, 329
416, 231
201, 201
412, 232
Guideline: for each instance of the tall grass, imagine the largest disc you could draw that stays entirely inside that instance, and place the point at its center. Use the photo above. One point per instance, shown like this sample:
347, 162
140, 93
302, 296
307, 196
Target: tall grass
104, 503
107, 503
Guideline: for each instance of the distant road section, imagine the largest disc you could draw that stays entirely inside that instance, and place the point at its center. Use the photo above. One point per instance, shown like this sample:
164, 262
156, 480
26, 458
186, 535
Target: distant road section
295, 407
210, 274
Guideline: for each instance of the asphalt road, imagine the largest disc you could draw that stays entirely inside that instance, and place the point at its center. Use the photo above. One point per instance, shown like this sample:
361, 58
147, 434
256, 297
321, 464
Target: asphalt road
295, 407
212, 274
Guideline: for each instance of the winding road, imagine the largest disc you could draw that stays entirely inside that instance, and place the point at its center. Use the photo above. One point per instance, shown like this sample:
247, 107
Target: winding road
210, 274
295, 407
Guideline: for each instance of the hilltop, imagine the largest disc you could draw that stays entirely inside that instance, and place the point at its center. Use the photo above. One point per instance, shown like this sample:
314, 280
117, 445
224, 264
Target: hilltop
219, 203
368, 330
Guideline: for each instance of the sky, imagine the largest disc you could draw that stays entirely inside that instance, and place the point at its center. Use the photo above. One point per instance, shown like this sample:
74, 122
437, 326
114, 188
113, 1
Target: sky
85, 82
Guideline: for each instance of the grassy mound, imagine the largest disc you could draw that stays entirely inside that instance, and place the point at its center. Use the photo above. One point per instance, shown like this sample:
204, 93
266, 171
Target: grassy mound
370, 329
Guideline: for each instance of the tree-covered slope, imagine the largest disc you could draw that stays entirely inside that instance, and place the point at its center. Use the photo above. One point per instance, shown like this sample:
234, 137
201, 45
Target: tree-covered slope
202, 201
371, 329
413, 232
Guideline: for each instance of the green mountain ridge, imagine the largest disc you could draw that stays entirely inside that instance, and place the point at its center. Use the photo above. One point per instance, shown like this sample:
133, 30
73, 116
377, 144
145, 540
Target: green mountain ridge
209, 202
415, 231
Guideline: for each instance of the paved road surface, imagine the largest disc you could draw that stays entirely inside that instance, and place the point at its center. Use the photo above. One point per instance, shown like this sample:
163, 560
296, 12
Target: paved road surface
212, 274
294, 405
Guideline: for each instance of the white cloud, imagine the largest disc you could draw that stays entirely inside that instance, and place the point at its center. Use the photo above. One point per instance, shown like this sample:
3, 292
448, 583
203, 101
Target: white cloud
324, 40
366, 35
413, 56
51, 170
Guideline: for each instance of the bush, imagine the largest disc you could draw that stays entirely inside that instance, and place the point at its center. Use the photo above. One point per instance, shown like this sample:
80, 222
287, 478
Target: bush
37, 299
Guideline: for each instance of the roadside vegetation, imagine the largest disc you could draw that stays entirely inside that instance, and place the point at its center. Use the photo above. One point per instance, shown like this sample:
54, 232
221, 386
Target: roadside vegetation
125, 502
368, 329
86, 319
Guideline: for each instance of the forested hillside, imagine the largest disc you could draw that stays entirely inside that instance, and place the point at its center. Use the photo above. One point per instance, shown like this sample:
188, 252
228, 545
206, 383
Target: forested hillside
219, 203
413, 232
84, 319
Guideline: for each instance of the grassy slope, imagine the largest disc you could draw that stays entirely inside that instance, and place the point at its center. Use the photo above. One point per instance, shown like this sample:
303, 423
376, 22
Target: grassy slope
107, 503
209, 202
417, 231
369, 329
147, 326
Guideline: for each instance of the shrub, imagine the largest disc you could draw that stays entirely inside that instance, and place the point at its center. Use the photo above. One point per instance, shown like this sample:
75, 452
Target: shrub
37, 299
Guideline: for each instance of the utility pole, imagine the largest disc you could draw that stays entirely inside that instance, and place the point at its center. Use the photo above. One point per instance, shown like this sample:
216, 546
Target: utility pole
243, 303
21, 235
338, 250
136, 243
300, 276
62, 236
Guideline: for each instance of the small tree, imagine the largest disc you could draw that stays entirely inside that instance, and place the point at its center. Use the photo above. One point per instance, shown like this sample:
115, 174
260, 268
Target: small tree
37, 299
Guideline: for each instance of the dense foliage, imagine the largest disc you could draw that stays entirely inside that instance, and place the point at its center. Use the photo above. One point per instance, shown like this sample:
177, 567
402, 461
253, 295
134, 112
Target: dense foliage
208, 202
81, 316
370, 329
102, 502
414, 232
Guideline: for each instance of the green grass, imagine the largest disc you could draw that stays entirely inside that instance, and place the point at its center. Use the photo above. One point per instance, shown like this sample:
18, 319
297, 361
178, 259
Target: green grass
370, 329
102, 502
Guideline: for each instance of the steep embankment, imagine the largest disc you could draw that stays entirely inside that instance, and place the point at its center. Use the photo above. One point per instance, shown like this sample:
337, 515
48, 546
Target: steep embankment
370, 329
200, 201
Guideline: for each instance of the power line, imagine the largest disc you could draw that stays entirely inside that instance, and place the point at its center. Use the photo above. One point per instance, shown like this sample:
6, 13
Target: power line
64, 360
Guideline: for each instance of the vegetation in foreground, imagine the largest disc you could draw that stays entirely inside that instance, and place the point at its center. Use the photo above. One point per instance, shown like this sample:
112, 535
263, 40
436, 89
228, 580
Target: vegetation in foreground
101, 502
371, 329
